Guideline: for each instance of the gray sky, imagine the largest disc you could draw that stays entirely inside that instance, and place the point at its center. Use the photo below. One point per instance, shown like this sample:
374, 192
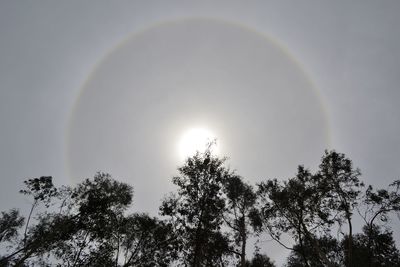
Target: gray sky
111, 86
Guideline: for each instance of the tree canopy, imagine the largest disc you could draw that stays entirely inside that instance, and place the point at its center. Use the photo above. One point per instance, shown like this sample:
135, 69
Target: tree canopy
207, 221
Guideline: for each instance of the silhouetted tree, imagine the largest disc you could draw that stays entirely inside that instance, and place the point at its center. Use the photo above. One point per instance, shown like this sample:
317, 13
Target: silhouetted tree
373, 247
86, 225
197, 210
97, 207
260, 260
298, 208
308, 205
240, 200
341, 183
42, 190
330, 247
36, 240
378, 205
146, 241
209, 220
10, 222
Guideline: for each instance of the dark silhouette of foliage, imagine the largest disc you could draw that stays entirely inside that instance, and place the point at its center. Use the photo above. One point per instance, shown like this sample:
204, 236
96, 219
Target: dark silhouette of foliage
343, 187
296, 207
10, 222
259, 260
42, 190
380, 203
87, 227
308, 206
240, 201
146, 241
373, 247
328, 245
197, 210
96, 206
208, 220
37, 239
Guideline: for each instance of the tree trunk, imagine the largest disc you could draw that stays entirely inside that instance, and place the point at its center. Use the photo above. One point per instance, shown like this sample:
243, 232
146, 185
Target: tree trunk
243, 254
27, 222
198, 243
316, 246
302, 252
350, 243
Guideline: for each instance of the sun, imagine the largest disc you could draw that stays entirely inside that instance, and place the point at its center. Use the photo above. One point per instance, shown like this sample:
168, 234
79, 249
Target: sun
196, 139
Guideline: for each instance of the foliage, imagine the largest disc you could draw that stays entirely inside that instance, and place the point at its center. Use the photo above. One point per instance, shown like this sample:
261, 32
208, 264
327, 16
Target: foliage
197, 210
208, 220
296, 207
330, 246
379, 203
10, 222
343, 187
374, 247
308, 206
260, 260
41, 189
146, 241
240, 201
89, 227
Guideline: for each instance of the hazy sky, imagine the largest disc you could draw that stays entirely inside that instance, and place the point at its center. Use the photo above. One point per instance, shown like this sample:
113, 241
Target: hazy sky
112, 86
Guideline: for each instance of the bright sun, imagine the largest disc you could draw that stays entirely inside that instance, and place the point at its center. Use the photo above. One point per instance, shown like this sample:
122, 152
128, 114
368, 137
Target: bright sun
196, 139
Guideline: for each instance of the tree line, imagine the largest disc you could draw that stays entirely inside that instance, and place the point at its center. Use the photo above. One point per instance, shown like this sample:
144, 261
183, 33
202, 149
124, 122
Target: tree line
207, 221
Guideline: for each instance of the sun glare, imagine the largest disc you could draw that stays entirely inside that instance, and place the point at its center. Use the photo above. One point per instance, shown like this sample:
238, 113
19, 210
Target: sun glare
196, 139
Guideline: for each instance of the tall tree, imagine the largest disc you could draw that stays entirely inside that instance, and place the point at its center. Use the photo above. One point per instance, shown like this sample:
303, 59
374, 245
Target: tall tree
374, 247
340, 181
240, 201
34, 241
296, 207
96, 207
42, 191
86, 225
378, 206
197, 210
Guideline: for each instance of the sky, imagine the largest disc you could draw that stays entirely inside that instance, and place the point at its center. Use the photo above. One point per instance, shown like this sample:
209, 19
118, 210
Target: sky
112, 86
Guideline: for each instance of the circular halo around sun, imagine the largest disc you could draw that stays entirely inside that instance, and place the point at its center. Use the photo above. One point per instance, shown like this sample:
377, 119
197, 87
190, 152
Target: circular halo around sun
197, 140
133, 108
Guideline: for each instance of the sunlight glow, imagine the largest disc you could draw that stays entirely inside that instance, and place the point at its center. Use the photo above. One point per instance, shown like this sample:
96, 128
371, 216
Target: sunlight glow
196, 139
